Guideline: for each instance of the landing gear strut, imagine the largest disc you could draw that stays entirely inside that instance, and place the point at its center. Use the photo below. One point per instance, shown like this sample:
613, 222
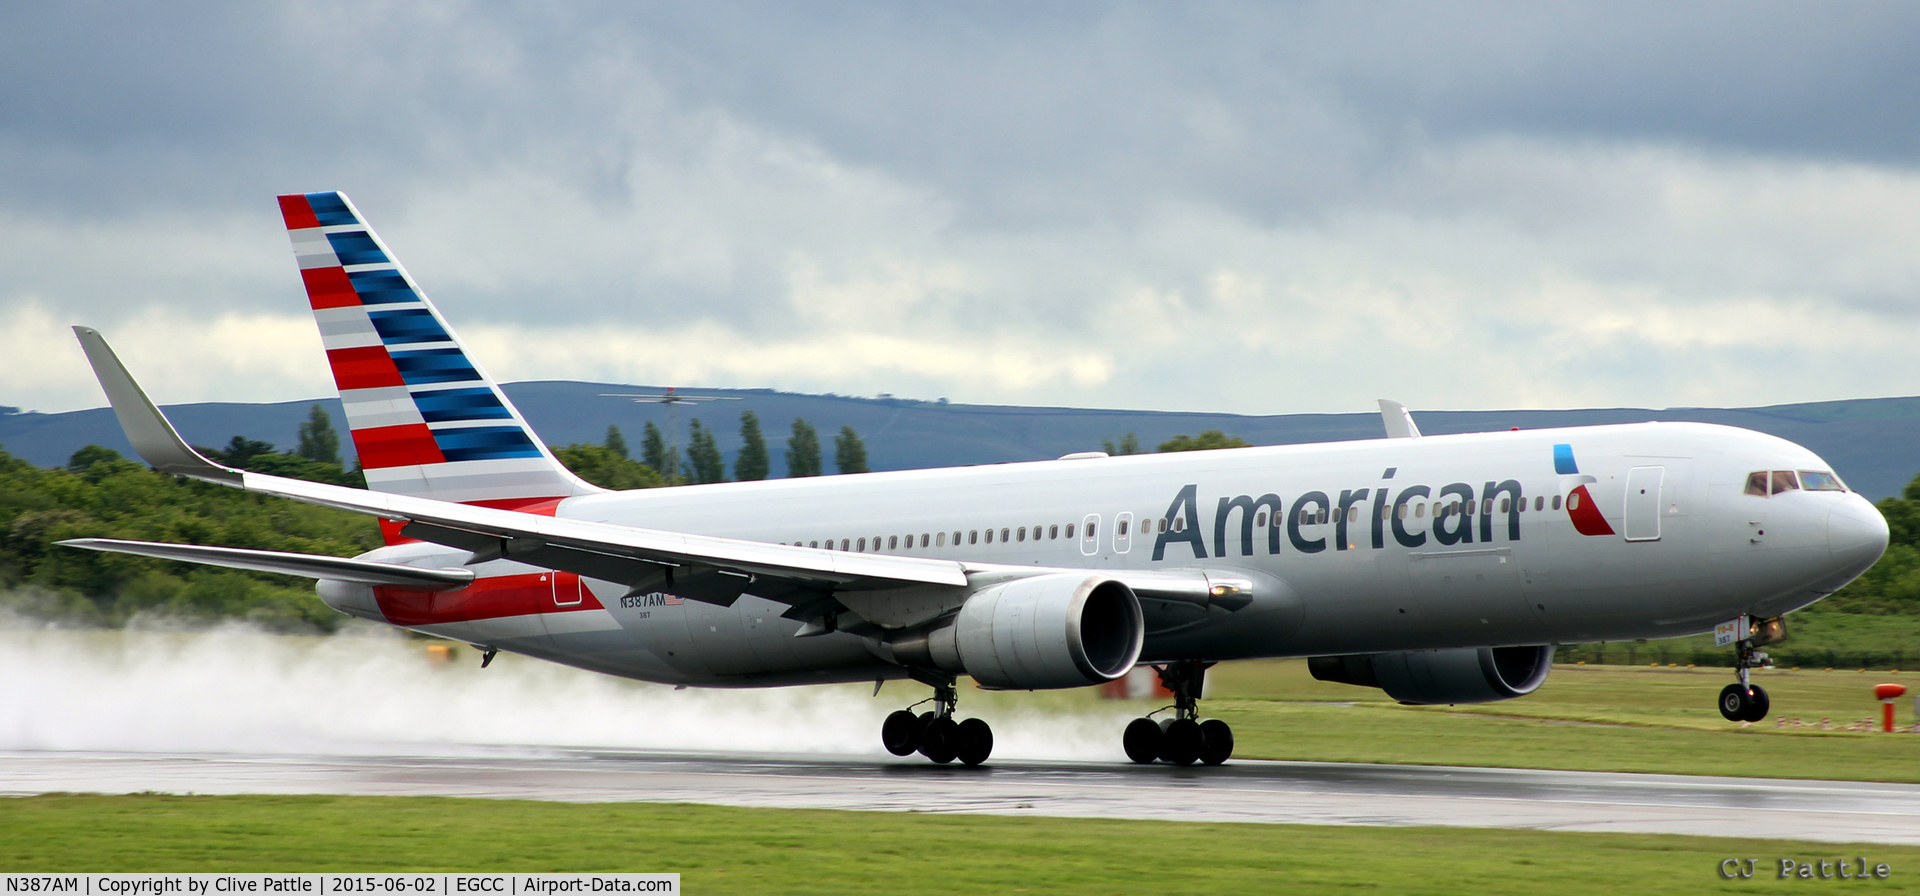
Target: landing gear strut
1182, 739
1746, 701
934, 733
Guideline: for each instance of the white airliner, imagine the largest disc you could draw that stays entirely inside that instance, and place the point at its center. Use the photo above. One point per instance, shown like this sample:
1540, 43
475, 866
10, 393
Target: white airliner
1442, 569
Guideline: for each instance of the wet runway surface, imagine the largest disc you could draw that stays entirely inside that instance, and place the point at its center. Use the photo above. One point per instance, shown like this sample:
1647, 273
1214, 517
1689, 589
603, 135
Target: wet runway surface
1241, 791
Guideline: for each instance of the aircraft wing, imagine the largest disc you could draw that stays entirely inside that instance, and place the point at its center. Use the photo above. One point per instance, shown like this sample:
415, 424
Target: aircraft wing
708, 568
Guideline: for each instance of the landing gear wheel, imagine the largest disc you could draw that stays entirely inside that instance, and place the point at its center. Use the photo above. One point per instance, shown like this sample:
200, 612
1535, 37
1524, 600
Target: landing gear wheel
1733, 703
1181, 741
901, 732
937, 743
1217, 742
1757, 704
972, 742
1142, 740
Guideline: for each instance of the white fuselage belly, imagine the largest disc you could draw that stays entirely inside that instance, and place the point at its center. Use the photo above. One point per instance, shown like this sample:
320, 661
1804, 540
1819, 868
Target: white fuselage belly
1718, 553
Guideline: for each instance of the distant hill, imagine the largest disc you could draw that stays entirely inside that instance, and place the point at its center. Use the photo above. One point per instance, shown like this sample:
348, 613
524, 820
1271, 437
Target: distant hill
1873, 443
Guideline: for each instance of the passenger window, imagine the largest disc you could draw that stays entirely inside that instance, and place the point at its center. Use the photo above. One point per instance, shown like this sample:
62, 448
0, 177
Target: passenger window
1020, 534
973, 536
1321, 516
1556, 502
861, 547
1820, 481
925, 539
940, 540
1401, 511
1261, 520
956, 539
1179, 525
1757, 483
1504, 504
1003, 536
1123, 527
1053, 532
989, 536
1573, 501
1783, 481
893, 542
1069, 530
843, 544
1419, 510
1540, 502
813, 544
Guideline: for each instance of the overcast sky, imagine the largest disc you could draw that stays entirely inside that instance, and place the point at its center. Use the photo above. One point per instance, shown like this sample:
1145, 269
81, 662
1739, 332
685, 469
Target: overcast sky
1257, 208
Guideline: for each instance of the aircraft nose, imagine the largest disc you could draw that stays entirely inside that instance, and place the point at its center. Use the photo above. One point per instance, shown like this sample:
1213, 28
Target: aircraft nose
1856, 534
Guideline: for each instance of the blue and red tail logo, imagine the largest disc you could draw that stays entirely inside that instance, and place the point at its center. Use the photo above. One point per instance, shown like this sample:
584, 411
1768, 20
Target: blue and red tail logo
1585, 515
424, 419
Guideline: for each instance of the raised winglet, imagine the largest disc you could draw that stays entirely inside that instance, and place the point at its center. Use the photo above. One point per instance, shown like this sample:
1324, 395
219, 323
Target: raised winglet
1398, 419
152, 436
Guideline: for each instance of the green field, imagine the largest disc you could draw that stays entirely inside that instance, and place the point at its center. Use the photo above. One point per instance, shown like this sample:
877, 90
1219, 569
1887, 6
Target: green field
1608, 718
726, 850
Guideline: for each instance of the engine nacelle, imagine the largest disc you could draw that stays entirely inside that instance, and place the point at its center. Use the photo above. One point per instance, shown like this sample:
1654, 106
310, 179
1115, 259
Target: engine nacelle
1461, 675
1051, 631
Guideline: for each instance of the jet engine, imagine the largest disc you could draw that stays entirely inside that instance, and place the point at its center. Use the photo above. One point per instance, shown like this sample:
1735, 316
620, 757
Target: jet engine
1050, 631
1461, 675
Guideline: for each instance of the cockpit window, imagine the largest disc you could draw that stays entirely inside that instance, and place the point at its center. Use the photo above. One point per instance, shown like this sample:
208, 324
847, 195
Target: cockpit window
1820, 481
1757, 483
1783, 481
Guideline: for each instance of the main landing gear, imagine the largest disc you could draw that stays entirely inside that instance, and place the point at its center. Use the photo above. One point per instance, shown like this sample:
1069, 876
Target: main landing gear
935, 734
1746, 701
1183, 739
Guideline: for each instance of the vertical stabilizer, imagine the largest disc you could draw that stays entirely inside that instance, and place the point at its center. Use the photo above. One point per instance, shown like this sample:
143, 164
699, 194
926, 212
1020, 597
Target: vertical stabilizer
425, 419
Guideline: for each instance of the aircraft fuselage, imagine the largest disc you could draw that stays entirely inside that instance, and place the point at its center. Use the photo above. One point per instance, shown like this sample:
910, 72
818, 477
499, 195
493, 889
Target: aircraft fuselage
1534, 537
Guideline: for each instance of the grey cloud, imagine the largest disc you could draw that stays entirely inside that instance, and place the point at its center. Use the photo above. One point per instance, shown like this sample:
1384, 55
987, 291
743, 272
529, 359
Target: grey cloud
1001, 173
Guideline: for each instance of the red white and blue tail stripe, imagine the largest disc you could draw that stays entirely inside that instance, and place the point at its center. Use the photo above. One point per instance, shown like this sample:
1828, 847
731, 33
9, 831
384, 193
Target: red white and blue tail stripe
425, 419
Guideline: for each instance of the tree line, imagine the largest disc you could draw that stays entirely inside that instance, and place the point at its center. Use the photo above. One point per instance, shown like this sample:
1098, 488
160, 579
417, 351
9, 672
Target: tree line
610, 463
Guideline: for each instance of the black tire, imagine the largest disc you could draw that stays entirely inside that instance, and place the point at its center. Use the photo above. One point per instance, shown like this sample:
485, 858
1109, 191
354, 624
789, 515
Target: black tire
1733, 703
973, 742
1216, 742
1142, 741
937, 743
901, 732
1757, 704
1181, 742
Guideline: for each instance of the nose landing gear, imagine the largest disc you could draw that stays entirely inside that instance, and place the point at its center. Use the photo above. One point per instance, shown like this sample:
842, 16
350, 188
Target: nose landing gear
1183, 739
1746, 701
935, 734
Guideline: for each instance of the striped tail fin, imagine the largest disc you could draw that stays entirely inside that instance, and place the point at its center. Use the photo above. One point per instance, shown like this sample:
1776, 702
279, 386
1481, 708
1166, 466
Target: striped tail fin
425, 419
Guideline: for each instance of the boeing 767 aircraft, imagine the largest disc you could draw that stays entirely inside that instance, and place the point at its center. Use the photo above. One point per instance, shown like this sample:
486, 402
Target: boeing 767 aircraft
1441, 569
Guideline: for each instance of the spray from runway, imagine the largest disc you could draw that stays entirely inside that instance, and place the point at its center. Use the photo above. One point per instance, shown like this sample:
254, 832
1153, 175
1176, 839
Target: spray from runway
372, 691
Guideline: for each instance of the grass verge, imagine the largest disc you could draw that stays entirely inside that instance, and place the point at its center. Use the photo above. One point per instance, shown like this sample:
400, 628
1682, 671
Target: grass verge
727, 850
1603, 718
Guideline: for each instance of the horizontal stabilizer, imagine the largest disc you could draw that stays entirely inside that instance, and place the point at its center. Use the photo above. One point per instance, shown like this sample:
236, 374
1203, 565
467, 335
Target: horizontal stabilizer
313, 566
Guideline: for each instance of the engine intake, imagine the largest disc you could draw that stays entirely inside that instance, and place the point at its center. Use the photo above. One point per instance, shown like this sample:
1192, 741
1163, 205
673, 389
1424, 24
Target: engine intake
1051, 631
1461, 675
